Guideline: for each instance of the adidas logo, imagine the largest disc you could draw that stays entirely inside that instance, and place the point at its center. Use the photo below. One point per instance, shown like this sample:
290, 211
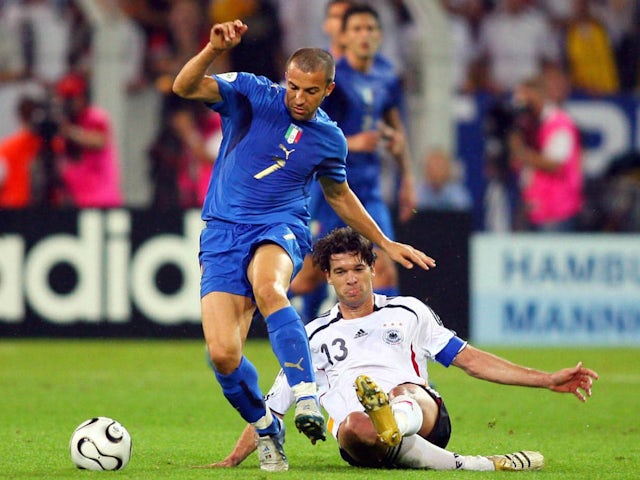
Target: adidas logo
360, 333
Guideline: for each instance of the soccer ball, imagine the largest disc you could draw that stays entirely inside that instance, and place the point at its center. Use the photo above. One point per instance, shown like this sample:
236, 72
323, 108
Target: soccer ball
100, 443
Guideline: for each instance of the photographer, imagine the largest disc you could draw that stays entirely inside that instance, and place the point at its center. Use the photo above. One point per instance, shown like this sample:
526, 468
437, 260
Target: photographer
550, 172
89, 167
504, 117
18, 151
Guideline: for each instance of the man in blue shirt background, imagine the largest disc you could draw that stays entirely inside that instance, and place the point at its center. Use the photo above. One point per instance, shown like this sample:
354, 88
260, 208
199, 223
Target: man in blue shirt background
368, 104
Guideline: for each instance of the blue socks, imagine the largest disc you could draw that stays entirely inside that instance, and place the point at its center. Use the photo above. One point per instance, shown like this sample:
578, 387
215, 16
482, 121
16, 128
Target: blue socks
241, 389
290, 344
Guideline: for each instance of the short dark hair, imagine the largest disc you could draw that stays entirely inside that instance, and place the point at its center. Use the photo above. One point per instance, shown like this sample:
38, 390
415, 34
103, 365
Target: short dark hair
311, 59
342, 240
357, 9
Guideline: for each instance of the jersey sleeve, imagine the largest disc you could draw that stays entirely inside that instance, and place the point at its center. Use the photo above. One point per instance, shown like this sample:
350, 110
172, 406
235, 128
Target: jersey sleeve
334, 164
236, 87
451, 349
440, 343
280, 396
333, 168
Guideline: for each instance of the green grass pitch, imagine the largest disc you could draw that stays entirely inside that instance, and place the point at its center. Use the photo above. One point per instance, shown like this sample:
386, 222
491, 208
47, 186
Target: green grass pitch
165, 395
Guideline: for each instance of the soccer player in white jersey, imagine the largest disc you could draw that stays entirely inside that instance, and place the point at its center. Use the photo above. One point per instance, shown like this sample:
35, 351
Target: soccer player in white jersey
382, 344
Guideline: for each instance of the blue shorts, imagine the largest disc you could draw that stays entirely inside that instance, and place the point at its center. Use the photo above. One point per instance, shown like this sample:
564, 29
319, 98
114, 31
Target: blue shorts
227, 248
327, 220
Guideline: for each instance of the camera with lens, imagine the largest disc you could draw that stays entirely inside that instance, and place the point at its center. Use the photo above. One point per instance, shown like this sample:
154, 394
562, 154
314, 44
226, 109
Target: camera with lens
45, 119
504, 117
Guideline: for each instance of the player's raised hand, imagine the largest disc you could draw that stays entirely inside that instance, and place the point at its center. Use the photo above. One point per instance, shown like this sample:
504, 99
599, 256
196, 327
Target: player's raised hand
407, 256
227, 35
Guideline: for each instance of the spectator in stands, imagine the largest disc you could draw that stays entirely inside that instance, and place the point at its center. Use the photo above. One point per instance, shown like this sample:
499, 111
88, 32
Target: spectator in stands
441, 187
589, 52
261, 50
44, 31
551, 173
466, 17
80, 39
12, 61
618, 201
622, 21
18, 151
558, 13
367, 104
463, 49
185, 31
90, 166
332, 25
295, 32
473, 11
152, 18
501, 194
16, 48
183, 154
515, 41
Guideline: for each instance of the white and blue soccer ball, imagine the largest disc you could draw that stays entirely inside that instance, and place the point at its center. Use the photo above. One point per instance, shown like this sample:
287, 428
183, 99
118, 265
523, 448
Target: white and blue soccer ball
100, 443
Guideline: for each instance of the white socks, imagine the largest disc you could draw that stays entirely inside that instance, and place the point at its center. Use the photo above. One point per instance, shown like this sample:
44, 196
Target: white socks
407, 413
304, 389
416, 452
264, 422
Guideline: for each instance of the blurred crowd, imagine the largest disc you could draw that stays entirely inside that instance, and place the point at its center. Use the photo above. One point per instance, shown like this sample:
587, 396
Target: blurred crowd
500, 43
60, 149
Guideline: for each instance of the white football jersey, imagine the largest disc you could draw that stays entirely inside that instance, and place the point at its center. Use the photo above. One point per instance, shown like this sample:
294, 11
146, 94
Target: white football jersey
391, 345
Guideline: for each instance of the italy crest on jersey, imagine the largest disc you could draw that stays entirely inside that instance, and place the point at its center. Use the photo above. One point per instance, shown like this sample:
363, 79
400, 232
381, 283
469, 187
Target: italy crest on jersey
293, 134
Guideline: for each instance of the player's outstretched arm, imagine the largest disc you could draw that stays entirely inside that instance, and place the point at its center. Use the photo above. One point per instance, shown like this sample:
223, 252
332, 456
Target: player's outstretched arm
244, 447
191, 82
347, 205
577, 380
573, 380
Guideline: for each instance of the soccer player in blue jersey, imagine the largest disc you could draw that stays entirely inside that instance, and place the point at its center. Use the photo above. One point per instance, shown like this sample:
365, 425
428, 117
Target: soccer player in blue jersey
276, 140
367, 104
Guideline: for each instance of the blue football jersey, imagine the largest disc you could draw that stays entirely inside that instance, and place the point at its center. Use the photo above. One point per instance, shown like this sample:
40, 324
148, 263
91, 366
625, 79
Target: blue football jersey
267, 159
358, 103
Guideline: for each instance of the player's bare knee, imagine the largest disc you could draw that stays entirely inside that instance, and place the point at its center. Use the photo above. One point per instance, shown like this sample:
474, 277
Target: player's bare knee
357, 429
225, 360
410, 389
270, 297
